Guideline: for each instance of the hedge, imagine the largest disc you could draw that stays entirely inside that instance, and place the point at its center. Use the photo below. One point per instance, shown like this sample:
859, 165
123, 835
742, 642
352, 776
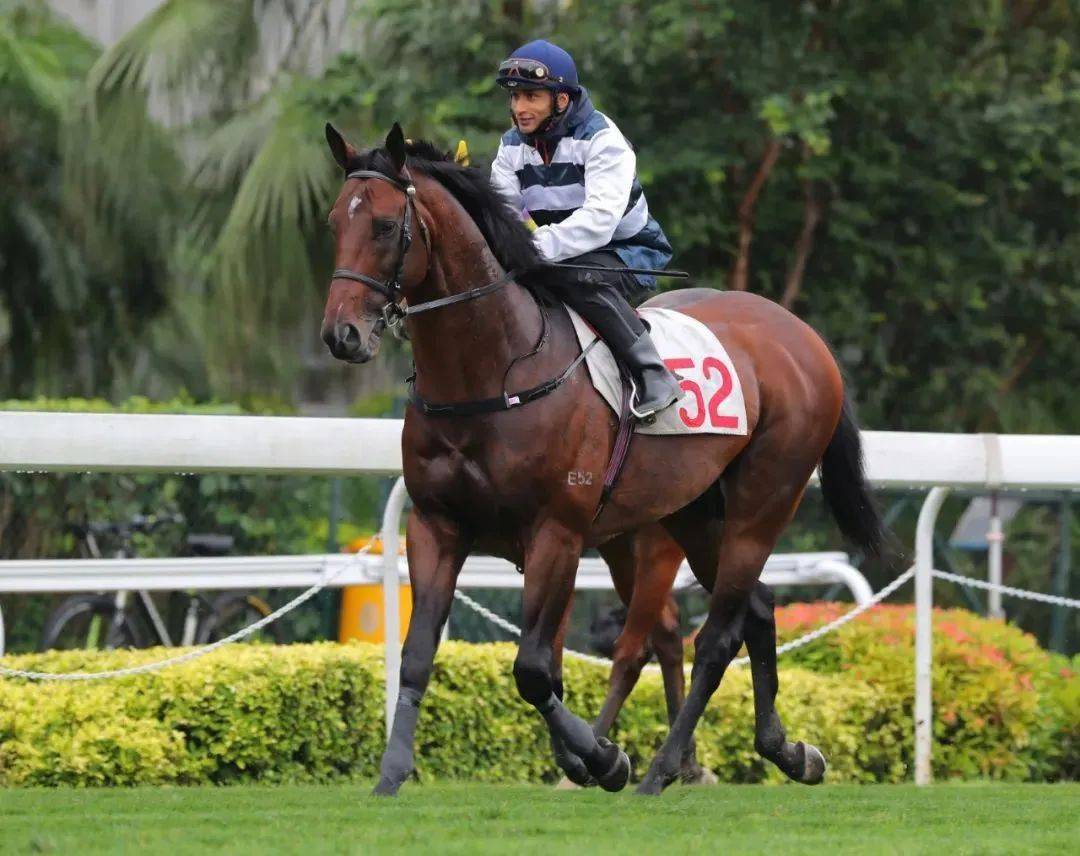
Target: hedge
314, 713
1004, 708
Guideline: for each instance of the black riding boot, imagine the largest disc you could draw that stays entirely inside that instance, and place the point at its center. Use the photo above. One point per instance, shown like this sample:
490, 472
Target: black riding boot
600, 303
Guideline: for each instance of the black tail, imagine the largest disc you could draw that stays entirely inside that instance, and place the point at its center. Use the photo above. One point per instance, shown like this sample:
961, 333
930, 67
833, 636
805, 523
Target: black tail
843, 482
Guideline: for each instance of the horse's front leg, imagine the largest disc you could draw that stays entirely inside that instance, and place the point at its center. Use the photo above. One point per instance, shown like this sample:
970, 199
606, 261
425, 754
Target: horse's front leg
551, 561
436, 552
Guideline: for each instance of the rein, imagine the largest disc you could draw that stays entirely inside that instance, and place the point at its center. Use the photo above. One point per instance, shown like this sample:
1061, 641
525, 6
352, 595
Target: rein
394, 312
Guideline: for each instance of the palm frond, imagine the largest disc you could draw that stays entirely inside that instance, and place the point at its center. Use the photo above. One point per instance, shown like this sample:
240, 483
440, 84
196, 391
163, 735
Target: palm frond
287, 181
184, 49
40, 60
228, 149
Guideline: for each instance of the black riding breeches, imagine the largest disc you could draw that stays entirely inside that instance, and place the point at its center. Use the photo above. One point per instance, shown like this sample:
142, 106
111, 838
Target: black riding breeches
602, 298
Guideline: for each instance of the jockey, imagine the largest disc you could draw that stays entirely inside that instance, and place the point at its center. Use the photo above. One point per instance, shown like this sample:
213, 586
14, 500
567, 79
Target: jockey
566, 166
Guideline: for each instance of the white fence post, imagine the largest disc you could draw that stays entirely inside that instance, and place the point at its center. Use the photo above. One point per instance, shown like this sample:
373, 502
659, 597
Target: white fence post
391, 596
924, 604
995, 540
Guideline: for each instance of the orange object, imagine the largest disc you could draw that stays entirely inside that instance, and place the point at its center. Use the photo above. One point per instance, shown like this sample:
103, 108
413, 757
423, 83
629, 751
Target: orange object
362, 606
362, 613
358, 544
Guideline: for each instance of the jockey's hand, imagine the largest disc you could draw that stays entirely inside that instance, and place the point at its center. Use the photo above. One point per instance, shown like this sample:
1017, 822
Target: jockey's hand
530, 224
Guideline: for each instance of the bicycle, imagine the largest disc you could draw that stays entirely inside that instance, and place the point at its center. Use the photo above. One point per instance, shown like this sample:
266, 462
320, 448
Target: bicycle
127, 619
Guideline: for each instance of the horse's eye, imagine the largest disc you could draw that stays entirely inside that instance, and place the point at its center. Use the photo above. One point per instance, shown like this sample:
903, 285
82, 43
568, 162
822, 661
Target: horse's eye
383, 228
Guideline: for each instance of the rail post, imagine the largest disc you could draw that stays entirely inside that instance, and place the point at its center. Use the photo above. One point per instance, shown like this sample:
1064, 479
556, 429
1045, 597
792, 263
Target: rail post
995, 540
924, 604
391, 523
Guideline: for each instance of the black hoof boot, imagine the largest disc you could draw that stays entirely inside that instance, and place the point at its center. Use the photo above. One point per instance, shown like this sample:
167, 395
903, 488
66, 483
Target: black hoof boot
618, 774
572, 765
576, 771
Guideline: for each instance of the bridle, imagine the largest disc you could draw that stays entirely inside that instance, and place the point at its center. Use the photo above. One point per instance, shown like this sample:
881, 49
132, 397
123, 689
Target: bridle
394, 311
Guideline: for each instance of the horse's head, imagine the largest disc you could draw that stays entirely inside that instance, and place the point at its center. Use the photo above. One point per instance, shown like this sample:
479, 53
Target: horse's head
378, 257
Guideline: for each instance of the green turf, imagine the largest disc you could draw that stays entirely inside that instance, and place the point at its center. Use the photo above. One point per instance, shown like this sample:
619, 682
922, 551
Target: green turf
448, 818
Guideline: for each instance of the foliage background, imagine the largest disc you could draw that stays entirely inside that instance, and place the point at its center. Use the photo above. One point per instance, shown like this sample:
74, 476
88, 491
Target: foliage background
903, 174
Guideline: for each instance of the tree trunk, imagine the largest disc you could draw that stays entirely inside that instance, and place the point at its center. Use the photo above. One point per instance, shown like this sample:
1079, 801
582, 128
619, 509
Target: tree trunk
740, 272
813, 208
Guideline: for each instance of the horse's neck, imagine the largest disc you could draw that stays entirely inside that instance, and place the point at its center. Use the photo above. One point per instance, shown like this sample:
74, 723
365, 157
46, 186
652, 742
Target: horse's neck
462, 352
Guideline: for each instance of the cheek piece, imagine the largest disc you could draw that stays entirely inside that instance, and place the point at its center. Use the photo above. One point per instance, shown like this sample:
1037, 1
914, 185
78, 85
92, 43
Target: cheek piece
393, 312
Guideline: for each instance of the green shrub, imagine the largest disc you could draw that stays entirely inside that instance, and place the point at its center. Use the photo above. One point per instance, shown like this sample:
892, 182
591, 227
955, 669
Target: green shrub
1003, 707
315, 713
248, 713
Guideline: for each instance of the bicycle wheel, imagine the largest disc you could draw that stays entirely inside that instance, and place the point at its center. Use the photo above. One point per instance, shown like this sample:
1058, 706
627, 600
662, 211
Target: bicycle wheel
87, 621
233, 612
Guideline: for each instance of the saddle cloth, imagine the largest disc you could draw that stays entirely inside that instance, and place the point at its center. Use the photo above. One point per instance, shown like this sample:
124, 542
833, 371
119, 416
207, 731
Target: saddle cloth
712, 401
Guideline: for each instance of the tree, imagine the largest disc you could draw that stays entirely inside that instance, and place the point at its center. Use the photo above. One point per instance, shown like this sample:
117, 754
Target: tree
902, 175
72, 294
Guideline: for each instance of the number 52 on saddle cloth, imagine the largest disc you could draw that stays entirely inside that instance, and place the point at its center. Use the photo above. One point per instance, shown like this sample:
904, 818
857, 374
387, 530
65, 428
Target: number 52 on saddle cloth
712, 401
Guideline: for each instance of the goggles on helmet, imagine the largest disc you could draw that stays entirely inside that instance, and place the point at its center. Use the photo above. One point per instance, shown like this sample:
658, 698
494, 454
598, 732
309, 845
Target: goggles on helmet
515, 72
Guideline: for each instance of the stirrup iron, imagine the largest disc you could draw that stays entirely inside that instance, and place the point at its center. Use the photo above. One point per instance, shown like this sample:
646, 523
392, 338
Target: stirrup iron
647, 418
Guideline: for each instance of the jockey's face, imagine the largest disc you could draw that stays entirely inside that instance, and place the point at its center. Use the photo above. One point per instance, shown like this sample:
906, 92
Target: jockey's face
530, 107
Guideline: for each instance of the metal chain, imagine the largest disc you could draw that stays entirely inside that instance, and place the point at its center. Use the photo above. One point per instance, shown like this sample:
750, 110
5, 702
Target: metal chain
846, 617
480, 609
1015, 592
513, 629
198, 652
499, 621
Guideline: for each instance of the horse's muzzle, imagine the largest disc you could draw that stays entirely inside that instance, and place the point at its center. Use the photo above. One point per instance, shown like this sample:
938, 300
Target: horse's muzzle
346, 342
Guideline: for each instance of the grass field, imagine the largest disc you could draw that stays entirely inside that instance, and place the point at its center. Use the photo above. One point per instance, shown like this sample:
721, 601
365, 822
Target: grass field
464, 818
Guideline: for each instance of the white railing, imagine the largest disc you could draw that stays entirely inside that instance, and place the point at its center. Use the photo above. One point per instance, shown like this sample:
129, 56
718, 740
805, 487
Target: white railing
338, 569
289, 445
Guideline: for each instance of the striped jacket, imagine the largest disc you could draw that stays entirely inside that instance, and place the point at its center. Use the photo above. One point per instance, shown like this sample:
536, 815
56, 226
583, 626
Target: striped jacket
584, 195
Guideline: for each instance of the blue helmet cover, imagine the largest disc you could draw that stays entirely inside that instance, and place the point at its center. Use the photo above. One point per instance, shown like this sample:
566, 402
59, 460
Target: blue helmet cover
558, 61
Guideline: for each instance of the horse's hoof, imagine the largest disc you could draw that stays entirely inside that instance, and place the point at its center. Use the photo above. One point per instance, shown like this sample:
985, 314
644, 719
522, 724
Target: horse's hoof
698, 775
386, 788
814, 765
660, 775
650, 786
616, 778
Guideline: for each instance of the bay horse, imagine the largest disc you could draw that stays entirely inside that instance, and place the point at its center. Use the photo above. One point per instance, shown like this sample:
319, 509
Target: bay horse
503, 422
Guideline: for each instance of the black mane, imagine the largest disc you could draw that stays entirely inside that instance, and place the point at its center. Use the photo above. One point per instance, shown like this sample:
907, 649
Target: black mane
509, 239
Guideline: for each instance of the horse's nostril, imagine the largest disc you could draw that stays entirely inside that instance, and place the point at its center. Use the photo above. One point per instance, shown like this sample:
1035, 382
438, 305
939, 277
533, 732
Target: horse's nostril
349, 336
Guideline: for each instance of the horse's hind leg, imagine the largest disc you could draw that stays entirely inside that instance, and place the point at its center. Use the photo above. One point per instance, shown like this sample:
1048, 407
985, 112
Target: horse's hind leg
667, 643
643, 568
799, 761
761, 495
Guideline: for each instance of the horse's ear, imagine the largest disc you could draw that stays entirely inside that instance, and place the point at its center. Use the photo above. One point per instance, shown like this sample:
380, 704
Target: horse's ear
395, 146
339, 148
